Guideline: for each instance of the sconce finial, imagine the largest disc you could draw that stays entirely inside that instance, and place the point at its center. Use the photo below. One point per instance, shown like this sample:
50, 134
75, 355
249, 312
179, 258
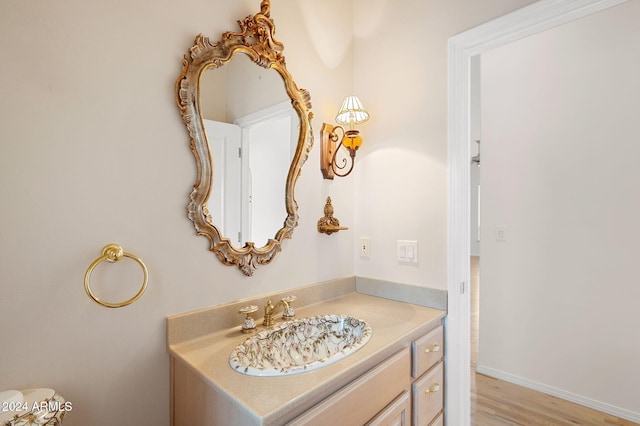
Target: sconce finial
329, 224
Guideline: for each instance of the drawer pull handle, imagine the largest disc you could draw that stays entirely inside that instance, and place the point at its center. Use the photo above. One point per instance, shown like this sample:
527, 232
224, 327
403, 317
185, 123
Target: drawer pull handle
435, 388
434, 348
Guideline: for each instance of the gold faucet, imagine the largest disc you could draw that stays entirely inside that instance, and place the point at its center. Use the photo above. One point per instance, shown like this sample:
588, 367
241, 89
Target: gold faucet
270, 310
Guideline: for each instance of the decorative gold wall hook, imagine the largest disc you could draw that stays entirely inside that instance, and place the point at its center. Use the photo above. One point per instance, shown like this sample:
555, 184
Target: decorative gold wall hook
329, 224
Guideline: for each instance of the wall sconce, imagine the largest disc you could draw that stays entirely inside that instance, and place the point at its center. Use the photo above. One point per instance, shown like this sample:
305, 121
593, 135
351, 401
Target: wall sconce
352, 112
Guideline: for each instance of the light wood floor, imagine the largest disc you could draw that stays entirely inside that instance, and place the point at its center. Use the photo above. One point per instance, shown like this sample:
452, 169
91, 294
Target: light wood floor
495, 402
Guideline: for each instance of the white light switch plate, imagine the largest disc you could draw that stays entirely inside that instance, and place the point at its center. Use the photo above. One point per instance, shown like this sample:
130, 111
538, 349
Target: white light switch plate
407, 251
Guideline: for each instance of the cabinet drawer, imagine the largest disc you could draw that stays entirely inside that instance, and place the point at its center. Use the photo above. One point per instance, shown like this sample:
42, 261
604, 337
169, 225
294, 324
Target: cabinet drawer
398, 413
427, 351
363, 398
428, 396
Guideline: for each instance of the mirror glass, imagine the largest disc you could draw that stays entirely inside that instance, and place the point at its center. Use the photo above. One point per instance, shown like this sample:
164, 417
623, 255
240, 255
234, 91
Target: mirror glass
252, 131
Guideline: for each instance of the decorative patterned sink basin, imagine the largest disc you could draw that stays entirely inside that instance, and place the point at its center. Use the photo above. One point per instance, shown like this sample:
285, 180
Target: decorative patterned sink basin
301, 345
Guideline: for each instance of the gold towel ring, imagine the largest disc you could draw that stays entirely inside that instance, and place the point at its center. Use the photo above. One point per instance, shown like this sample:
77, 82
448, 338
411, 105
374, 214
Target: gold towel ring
113, 253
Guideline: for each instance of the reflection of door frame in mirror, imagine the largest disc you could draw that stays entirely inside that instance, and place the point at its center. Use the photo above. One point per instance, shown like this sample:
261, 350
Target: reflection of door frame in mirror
529, 20
256, 40
247, 123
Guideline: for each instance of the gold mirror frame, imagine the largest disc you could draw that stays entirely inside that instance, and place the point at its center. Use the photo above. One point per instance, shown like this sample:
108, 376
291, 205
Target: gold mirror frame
256, 40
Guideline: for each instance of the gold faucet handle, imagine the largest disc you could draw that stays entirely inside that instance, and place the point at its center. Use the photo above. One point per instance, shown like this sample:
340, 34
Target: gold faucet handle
249, 325
289, 312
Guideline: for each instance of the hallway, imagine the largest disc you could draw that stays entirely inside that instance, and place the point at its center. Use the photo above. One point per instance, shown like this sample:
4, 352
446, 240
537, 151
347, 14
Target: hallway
495, 402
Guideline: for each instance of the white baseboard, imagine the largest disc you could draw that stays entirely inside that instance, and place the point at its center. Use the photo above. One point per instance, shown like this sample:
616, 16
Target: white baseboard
559, 393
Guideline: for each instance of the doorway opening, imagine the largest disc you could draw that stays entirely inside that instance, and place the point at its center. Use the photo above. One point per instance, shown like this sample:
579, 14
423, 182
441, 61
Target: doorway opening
533, 19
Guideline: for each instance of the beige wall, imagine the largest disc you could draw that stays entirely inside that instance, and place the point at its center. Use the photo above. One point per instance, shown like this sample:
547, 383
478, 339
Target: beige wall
93, 151
559, 170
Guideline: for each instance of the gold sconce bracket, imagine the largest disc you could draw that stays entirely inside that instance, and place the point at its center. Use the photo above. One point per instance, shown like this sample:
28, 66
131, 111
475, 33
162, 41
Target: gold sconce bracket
329, 163
328, 149
329, 224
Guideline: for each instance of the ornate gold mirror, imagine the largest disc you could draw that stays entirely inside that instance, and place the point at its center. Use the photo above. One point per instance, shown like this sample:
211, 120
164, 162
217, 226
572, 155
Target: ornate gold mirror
250, 134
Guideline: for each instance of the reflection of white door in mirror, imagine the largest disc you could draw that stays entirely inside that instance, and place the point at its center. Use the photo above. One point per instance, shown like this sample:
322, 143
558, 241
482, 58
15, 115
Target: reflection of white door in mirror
251, 97
269, 138
225, 142
258, 145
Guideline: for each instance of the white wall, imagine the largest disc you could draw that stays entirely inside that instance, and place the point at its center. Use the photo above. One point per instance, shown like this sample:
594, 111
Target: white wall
401, 171
559, 170
93, 151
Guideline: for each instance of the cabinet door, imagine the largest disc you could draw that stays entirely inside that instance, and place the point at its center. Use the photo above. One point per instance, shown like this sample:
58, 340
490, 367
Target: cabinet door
398, 413
428, 396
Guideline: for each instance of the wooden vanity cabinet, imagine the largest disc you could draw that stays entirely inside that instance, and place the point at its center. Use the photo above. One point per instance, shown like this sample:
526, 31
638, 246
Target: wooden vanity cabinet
405, 388
409, 385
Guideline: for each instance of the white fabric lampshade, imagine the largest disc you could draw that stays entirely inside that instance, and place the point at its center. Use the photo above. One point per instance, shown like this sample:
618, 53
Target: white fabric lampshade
352, 111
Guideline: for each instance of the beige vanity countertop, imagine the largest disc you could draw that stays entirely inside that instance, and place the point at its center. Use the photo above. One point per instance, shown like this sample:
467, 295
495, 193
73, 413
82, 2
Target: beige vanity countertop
274, 400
